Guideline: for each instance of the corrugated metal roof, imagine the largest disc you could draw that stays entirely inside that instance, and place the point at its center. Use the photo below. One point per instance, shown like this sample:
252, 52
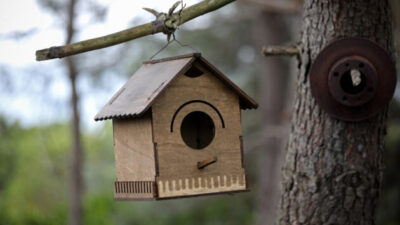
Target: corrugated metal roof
140, 91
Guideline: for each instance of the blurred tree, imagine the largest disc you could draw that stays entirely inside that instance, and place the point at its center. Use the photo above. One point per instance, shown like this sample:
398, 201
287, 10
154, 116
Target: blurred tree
75, 217
272, 28
67, 11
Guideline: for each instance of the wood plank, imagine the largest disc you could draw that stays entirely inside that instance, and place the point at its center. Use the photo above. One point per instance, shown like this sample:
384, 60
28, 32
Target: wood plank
134, 149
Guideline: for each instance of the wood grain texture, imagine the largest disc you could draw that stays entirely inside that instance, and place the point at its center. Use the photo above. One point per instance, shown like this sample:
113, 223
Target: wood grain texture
333, 169
175, 158
134, 149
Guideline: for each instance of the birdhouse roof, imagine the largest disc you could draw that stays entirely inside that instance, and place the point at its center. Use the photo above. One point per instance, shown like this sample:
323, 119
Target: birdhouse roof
153, 77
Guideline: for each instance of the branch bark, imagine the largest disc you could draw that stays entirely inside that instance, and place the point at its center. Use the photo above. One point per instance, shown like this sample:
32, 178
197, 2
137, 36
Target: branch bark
154, 27
280, 51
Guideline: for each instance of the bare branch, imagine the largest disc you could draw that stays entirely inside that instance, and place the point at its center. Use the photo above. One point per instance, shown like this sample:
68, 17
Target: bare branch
157, 26
280, 51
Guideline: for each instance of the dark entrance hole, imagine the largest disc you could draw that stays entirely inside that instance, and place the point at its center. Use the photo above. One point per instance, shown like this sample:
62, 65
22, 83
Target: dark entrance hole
197, 130
347, 84
193, 72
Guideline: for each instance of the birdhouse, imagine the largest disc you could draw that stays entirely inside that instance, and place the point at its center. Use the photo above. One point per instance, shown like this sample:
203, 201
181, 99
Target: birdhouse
177, 131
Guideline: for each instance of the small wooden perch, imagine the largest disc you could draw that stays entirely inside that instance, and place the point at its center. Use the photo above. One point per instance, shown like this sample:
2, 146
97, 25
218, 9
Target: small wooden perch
165, 23
280, 51
207, 162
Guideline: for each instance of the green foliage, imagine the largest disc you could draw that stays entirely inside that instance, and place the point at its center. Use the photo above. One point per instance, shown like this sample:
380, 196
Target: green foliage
34, 182
7, 153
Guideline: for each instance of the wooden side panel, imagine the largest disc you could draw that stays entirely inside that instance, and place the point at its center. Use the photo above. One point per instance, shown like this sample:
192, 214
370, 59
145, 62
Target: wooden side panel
176, 159
134, 149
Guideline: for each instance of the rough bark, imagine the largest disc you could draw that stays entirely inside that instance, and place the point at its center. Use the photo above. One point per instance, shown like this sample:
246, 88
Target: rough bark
333, 169
75, 212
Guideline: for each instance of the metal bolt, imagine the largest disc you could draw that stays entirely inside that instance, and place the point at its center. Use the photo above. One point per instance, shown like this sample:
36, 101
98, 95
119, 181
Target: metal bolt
355, 77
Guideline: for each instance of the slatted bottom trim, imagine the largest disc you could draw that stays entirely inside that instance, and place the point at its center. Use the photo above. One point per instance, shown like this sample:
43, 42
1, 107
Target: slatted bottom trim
176, 187
132, 190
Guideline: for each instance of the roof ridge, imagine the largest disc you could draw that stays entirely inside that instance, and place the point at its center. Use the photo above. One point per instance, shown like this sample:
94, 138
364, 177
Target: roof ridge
154, 61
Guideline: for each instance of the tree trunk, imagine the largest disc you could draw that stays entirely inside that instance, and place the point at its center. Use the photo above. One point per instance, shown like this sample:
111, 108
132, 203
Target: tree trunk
333, 169
76, 160
271, 30
75, 217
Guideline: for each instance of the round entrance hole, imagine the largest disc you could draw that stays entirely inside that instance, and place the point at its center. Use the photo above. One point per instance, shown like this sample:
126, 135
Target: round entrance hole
197, 130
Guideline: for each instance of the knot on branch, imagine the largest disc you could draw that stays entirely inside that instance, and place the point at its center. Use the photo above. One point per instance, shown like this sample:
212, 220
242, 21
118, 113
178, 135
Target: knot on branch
167, 22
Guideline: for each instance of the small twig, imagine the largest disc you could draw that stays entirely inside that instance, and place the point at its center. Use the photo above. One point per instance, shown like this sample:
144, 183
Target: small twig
152, 11
280, 51
172, 9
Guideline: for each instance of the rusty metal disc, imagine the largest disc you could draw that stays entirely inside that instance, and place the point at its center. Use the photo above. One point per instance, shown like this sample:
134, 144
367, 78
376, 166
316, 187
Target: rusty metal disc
328, 79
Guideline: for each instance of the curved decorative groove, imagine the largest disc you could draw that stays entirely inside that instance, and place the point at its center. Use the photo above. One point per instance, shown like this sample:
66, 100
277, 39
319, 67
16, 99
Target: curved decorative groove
195, 101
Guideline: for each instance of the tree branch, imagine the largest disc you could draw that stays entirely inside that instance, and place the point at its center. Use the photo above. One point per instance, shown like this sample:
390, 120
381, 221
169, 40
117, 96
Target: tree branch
281, 51
165, 25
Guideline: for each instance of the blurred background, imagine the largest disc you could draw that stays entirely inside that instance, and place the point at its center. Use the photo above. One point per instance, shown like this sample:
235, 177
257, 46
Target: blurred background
53, 155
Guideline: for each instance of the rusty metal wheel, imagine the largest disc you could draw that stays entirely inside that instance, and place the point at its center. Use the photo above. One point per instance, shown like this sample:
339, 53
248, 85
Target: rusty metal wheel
353, 79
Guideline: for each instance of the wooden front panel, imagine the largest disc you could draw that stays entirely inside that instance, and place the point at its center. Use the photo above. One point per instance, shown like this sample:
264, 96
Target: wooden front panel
134, 149
205, 94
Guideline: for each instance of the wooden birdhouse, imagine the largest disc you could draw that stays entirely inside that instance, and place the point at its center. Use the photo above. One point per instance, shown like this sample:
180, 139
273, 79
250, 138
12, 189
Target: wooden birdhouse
177, 131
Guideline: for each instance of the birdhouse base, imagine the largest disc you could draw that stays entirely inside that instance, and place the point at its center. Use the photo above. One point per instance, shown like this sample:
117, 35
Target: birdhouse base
135, 190
165, 188
179, 187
